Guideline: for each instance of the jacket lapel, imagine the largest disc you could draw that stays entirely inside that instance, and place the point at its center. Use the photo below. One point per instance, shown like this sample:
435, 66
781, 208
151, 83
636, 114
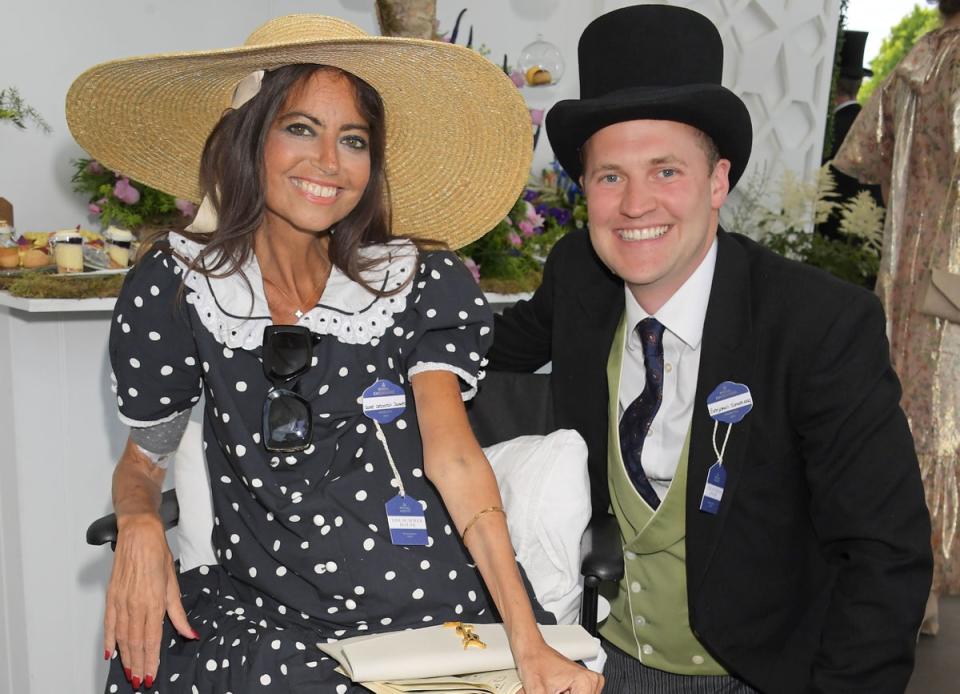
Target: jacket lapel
727, 354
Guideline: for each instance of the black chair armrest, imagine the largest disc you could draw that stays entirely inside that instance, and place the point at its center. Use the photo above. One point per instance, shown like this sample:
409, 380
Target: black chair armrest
104, 530
601, 555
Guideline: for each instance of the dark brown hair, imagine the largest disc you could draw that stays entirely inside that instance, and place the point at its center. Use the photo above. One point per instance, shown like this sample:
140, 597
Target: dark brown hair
232, 176
947, 8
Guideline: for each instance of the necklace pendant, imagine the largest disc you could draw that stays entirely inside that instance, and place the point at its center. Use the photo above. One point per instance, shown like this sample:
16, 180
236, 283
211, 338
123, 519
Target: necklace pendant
298, 313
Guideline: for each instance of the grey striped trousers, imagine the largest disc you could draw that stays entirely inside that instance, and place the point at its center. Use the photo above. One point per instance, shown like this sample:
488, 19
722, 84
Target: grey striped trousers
624, 674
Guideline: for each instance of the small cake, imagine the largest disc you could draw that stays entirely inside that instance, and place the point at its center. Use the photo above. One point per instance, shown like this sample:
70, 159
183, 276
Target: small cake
9, 256
34, 257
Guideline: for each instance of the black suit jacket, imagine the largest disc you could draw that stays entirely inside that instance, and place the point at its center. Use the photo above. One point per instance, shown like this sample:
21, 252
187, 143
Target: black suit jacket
814, 573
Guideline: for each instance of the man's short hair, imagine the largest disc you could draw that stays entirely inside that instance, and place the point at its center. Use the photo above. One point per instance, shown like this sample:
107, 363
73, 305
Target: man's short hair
849, 86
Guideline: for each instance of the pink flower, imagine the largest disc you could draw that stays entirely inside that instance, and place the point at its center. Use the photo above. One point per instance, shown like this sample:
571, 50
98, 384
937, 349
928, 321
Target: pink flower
527, 228
536, 116
187, 208
517, 78
474, 268
94, 167
94, 208
514, 239
535, 218
126, 192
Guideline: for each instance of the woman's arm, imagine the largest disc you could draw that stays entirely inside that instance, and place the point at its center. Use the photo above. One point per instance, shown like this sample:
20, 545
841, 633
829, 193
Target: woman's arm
143, 585
455, 464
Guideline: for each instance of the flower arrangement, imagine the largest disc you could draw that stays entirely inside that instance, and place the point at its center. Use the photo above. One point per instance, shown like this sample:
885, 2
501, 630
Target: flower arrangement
509, 258
116, 200
854, 257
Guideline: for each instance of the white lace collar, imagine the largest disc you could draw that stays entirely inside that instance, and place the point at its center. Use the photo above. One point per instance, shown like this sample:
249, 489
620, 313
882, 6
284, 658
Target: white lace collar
236, 314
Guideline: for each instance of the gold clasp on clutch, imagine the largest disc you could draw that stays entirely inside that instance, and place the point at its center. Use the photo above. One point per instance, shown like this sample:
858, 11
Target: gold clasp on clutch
467, 634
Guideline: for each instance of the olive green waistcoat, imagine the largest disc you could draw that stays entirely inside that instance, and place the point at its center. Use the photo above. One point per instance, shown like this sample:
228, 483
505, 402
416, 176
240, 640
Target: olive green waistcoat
648, 616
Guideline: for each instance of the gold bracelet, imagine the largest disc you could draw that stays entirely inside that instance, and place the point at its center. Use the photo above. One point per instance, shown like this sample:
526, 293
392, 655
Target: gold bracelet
481, 513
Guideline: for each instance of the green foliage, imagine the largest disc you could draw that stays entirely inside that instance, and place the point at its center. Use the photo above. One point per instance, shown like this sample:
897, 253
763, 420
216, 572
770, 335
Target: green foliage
509, 258
100, 186
14, 109
895, 46
845, 258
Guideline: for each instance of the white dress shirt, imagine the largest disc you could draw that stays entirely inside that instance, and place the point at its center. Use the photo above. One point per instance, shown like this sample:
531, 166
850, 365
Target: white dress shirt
683, 317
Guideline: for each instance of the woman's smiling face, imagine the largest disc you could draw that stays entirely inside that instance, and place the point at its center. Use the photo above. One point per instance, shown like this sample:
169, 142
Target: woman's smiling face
316, 157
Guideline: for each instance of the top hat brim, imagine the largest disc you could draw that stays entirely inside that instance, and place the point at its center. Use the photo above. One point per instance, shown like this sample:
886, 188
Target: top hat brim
711, 108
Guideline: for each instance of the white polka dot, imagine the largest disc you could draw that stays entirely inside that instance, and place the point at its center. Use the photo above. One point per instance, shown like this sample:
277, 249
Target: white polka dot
125, 327
424, 565
225, 417
386, 621
484, 330
325, 530
431, 313
154, 335
133, 392
211, 665
472, 594
458, 609
401, 424
234, 538
320, 568
252, 571
164, 400
190, 361
371, 368
241, 386
350, 604
358, 590
417, 594
294, 518
341, 688
474, 356
478, 301
361, 428
368, 544
390, 575
166, 370
241, 450
154, 290
343, 371
338, 521
281, 571
331, 566
265, 680
224, 479
417, 472
452, 575
451, 347
134, 362
318, 520
324, 389
361, 495
227, 352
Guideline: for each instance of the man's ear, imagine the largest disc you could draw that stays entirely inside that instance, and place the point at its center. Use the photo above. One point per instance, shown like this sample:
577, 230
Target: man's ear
720, 184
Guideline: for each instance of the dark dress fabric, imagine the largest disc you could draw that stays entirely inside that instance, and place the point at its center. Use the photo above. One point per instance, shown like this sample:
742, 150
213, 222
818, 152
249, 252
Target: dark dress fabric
302, 539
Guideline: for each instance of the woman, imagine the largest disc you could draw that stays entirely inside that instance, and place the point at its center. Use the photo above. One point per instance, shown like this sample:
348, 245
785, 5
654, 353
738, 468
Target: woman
906, 140
333, 357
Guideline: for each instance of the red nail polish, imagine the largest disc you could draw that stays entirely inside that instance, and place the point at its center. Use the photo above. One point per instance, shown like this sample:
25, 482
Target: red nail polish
106, 654
126, 671
148, 681
195, 634
136, 683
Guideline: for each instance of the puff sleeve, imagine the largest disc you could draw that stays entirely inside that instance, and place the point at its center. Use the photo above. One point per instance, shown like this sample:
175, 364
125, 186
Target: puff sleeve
156, 370
451, 321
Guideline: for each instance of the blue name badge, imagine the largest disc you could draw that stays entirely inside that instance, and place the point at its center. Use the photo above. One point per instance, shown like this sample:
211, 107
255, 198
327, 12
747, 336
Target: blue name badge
729, 402
408, 525
713, 489
384, 401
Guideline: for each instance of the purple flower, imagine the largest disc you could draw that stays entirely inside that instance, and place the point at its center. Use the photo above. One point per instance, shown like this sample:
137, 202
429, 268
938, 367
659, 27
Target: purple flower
125, 192
187, 208
94, 208
473, 267
529, 195
536, 116
560, 214
514, 239
517, 78
94, 167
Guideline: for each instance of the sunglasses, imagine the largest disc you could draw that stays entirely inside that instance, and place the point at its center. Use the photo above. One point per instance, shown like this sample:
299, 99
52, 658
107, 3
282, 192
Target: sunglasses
287, 416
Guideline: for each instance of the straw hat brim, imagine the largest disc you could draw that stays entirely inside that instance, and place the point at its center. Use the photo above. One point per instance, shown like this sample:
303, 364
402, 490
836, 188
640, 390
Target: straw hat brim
458, 143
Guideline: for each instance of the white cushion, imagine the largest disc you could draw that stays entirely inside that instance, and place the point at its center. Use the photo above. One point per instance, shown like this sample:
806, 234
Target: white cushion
546, 493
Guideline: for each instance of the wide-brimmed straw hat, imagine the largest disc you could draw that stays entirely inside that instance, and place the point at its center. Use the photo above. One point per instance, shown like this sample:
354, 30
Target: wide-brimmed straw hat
651, 62
458, 143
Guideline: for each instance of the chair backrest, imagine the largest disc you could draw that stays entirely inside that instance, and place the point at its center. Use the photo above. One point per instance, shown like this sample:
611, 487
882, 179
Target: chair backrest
508, 405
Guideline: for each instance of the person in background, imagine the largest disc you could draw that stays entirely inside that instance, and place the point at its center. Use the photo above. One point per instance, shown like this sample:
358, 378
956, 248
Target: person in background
333, 352
739, 408
845, 110
906, 140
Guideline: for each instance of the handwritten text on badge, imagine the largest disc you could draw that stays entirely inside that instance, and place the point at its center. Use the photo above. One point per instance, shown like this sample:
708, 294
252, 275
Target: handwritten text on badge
729, 402
384, 401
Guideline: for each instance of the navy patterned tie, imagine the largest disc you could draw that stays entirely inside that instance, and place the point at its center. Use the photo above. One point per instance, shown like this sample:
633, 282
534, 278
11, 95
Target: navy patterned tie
638, 417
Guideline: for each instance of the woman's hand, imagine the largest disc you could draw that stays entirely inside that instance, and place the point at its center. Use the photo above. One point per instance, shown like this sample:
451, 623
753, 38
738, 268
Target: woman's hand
143, 588
544, 671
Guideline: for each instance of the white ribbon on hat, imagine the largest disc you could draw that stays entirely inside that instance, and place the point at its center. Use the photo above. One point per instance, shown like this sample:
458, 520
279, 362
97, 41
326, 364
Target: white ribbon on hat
206, 221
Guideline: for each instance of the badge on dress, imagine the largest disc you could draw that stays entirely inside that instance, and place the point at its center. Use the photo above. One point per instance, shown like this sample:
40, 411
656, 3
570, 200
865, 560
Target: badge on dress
384, 401
407, 523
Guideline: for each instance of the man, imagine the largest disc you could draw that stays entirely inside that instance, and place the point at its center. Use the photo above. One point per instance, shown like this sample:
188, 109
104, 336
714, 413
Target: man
845, 111
808, 567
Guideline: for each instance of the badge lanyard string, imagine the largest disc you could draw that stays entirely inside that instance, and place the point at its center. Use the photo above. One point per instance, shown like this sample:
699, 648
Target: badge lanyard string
720, 451
393, 466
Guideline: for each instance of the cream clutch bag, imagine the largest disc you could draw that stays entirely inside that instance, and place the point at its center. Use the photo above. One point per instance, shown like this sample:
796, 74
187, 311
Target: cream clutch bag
445, 650
941, 295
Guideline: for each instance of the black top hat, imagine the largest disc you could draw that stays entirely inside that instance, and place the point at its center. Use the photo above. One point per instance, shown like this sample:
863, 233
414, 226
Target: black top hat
851, 55
652, 62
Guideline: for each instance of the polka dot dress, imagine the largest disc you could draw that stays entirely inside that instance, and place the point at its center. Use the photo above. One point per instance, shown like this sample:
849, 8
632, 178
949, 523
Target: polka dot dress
302, 539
